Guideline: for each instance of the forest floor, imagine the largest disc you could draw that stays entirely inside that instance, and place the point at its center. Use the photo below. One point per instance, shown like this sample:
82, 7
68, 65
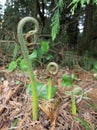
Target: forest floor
55, 114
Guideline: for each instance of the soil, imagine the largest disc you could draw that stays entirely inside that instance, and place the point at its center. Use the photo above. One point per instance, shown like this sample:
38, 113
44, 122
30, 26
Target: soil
55, 114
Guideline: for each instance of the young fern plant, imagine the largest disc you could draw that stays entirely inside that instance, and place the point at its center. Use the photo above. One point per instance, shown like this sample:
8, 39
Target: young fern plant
25, 53
79, 92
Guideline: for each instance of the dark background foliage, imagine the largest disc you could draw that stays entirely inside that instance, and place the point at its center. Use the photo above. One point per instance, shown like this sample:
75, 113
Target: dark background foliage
71, 24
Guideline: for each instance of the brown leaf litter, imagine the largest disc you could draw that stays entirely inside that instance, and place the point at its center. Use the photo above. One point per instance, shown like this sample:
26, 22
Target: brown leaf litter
55, 114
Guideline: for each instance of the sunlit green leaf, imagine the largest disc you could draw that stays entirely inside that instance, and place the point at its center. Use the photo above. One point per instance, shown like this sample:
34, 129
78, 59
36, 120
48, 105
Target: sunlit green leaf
42, 90
44, 46
66, 80
33, 55
49, 57
73, 76
12, 66
22, 65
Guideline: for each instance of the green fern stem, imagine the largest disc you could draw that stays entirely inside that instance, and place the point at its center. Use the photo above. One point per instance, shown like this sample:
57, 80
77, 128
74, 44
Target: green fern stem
25, 53
73, 104
49, 89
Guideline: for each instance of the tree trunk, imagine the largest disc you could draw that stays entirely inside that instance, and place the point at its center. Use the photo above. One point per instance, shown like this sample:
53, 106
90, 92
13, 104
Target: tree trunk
89, 37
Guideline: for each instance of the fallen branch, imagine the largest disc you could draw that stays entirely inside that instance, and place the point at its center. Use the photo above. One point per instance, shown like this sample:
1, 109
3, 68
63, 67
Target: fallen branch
6, 41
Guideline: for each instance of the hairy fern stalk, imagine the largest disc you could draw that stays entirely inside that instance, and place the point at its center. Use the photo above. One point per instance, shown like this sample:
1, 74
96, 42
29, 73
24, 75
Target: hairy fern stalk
25, 53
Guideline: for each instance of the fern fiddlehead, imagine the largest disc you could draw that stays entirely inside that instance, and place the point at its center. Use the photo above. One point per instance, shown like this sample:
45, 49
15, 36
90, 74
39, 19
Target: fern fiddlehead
25, 53
52, 68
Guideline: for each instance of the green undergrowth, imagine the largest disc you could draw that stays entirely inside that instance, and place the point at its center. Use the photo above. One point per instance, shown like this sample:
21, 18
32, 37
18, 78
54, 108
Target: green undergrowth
84, 123
38, 56
45, 91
